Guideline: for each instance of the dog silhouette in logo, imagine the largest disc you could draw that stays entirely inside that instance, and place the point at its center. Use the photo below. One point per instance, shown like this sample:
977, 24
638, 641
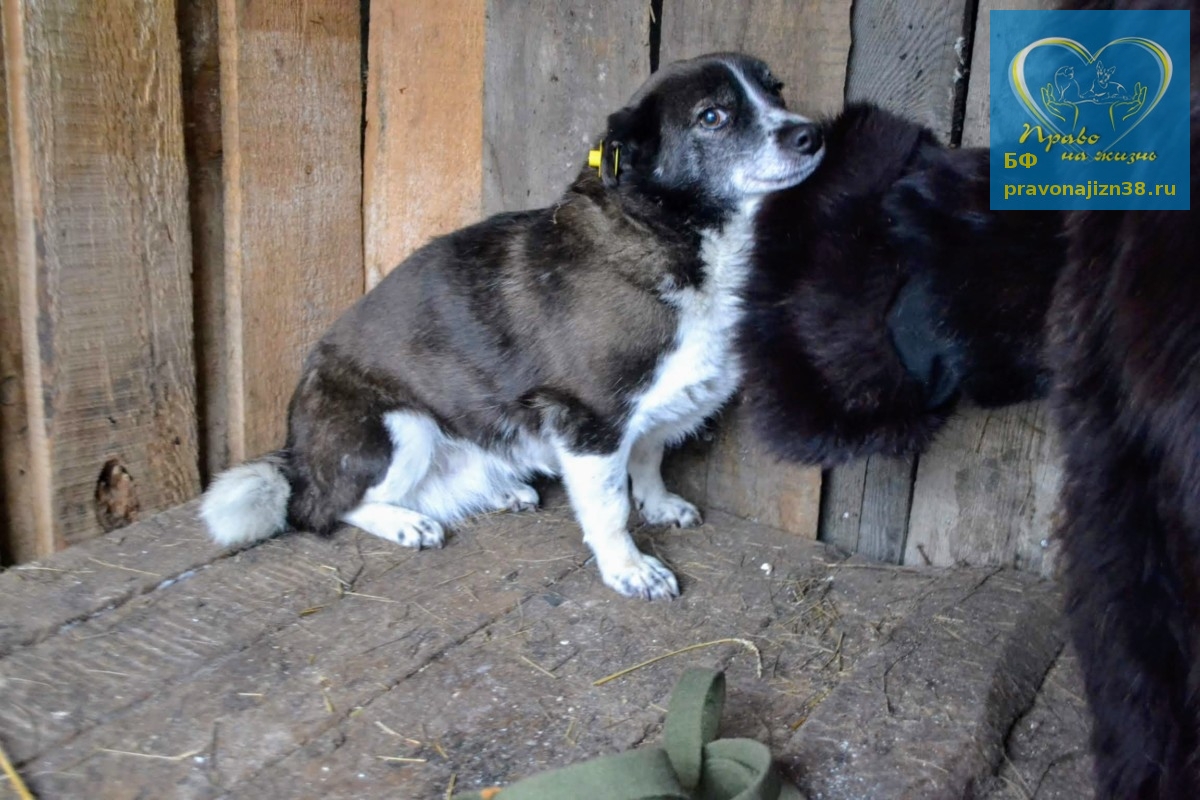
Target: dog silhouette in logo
1104, 88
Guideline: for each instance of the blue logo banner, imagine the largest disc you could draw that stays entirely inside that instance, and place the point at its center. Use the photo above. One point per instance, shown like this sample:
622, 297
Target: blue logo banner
1089, 109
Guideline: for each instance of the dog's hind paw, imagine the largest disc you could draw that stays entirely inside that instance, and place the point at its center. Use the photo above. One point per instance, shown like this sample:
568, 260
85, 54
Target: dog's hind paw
522, 498
670, 509
647, 578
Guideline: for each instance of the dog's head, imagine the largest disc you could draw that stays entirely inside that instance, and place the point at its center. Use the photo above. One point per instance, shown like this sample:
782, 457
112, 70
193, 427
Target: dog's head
714, 128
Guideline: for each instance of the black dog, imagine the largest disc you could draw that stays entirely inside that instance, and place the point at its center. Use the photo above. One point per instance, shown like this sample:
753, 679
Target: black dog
885, 289
1125, 349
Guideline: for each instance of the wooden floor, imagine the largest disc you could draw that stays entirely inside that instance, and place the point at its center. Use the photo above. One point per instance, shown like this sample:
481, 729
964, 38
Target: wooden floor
148, 663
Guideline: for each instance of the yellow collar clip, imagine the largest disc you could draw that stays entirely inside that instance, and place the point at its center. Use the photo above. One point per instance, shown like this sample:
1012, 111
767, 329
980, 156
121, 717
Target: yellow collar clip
596, 159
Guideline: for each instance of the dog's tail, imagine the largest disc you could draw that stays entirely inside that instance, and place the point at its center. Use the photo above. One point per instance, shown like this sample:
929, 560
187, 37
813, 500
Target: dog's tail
249, 502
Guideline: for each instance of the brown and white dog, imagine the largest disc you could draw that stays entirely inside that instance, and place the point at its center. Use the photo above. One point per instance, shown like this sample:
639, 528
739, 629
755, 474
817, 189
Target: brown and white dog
578, 340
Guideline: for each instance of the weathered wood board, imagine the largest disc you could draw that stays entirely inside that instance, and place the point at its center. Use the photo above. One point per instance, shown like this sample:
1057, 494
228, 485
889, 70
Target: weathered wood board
978, 110
102, 260
291, 105
805, 44
18, 533
911, 58
422, 158
150, 663
986, 493
201, 86
554, 70
986, 490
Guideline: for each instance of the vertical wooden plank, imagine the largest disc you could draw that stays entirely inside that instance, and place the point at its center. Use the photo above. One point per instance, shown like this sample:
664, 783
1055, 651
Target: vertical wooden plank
291, 101
422, 160
808, 51
554, 71
102, 254
18, 534
978, 112
986, 490
910, 57
887, 496
744, 479
201, 86
842, 491
806, 44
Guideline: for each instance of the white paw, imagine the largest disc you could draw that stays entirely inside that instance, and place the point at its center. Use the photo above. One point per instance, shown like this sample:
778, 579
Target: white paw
523, 497
645, 577
400, 525
420, 533
669, 509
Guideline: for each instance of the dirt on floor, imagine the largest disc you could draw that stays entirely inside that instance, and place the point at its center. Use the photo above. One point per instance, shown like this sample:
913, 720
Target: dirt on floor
149, 663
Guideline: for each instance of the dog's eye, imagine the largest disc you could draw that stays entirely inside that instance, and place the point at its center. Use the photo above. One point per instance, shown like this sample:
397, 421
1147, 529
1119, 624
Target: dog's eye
713, 118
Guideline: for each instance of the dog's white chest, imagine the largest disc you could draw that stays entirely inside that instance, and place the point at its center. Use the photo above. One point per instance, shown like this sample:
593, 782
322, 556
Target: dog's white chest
702, 370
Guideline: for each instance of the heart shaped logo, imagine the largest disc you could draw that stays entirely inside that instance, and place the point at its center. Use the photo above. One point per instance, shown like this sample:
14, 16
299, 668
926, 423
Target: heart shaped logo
1077, 89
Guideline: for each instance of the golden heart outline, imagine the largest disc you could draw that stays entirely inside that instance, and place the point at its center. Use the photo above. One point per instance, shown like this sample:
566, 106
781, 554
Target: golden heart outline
1016, 76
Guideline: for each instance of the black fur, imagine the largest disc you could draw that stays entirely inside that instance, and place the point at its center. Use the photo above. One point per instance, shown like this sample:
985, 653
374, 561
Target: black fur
1125, 348
885, 290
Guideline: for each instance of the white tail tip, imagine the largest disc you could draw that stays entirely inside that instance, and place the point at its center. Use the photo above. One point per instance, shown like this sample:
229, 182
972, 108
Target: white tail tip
246, 504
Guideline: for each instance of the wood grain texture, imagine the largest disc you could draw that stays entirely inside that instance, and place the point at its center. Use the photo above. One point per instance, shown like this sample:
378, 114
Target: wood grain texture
806, 44
887, 499
986, 490
842, 505
422, 160
102, 253
554, 71
910, 57
865, 506
201, 85
744, 479
975, 127
291, 101
986, 493
18, 533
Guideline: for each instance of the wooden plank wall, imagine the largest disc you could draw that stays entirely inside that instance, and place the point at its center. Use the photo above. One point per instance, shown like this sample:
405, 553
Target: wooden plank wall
422, 164
303, 193
98, 361
101, 243
16, 512
291, 89
554, 71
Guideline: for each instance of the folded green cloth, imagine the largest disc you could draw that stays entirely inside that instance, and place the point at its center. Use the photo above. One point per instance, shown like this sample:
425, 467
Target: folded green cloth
692, 765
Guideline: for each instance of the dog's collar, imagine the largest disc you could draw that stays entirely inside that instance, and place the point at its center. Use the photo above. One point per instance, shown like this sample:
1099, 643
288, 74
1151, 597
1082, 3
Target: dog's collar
596, 159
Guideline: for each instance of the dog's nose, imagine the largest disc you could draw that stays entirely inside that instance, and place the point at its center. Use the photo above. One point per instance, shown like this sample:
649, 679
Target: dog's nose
804, 137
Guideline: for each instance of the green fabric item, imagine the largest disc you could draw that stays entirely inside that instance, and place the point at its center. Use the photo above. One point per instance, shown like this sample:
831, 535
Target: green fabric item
692, 765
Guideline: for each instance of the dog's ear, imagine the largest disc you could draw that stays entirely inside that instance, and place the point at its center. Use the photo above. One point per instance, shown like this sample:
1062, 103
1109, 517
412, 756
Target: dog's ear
627, 143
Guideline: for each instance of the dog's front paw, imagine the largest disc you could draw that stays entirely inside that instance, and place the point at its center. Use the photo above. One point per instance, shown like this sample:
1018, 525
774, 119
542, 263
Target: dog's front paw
670, 509
420, 533
645, 577
522, 498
